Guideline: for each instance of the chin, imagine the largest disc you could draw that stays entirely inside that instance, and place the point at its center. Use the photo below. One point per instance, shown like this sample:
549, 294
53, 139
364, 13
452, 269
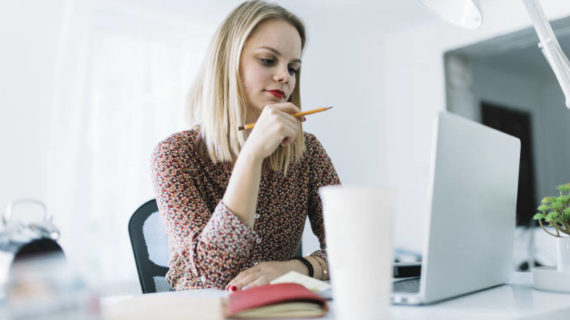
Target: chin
265, 103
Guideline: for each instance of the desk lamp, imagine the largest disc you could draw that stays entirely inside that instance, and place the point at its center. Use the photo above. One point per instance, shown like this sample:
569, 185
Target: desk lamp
467, 14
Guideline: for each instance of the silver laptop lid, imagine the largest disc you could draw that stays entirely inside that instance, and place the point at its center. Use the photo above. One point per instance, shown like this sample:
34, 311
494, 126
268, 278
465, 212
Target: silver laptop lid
469, 240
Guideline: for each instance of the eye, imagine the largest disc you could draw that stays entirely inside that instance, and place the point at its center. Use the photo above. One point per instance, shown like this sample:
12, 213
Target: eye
266, 61
292, 71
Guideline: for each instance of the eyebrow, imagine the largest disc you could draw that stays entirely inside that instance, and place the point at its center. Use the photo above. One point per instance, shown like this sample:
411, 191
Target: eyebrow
279, 53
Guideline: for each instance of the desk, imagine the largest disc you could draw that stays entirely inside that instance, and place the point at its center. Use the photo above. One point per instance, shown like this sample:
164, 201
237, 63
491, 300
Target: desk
517, 300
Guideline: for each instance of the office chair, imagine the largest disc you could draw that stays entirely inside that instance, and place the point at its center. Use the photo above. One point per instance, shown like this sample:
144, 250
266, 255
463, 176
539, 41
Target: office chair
150, 247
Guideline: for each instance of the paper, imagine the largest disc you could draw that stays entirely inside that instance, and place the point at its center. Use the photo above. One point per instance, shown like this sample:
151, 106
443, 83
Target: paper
310, 283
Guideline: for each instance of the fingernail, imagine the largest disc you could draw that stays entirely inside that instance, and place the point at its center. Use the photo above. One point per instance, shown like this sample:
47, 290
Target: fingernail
233, 288
304, 119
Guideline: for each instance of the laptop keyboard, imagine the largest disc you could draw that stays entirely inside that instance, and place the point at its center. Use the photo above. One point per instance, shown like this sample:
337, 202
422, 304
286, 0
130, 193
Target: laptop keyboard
411, 285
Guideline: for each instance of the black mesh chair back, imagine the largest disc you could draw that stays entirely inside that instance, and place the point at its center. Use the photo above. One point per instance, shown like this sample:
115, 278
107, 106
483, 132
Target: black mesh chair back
150, 247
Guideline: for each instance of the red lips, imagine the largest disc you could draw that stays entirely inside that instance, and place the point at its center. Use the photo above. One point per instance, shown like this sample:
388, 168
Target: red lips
277, 93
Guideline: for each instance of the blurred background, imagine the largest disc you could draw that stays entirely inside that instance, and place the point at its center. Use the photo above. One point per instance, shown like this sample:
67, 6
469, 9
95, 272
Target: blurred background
89, 87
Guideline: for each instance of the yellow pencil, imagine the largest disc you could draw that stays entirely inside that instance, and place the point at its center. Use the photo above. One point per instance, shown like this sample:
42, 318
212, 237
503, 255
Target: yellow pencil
298, 114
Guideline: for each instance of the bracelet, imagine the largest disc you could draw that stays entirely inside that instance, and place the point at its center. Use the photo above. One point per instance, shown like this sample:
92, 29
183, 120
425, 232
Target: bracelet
307, 264
325, 272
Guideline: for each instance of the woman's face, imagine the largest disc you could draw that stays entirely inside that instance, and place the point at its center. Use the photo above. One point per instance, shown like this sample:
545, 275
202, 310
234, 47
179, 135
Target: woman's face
269, 62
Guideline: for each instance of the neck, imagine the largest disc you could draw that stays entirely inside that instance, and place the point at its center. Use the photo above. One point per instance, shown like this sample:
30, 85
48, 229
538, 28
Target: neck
252, 115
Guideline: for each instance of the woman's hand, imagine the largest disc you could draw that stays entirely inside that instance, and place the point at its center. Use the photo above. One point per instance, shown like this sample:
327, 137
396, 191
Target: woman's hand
275, 126
263, 273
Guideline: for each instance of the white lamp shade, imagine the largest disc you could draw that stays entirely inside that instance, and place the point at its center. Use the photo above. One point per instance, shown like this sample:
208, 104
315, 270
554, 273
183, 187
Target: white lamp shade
463, 13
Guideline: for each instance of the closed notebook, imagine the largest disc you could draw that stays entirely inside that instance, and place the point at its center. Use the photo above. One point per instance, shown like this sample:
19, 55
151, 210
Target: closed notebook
282, 300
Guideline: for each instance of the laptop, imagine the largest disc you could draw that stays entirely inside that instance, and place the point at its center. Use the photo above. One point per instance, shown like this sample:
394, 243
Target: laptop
470, 227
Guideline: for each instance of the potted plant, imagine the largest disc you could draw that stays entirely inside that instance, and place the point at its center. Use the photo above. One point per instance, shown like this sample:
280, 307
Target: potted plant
556, 212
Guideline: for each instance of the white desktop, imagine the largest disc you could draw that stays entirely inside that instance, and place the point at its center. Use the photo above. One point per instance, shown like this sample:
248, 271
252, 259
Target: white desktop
516, 300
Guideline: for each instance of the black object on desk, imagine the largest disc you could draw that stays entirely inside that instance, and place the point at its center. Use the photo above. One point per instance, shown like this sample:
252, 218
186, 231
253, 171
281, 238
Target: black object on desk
407, 269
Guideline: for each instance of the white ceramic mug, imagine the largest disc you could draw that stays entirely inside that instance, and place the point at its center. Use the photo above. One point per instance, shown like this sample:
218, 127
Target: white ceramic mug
358, 225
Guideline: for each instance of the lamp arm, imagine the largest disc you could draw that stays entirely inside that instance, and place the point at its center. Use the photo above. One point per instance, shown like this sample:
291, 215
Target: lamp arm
550, 47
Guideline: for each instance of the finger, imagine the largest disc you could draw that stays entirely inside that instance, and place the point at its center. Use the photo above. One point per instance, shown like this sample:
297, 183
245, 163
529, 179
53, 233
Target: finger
244, 275
263, 280
292, 125
288, 125
288, 140
246, 281
290, 134
282, 115
286, 107
240, 277
290, 137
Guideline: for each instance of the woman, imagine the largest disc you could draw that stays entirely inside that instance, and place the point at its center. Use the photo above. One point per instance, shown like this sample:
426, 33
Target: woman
235, 202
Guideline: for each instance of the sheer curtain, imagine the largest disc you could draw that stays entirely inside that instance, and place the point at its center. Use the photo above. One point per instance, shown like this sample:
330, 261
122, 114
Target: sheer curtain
123, 70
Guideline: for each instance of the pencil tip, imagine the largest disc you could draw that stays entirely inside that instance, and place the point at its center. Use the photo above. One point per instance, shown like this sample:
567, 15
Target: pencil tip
241, 128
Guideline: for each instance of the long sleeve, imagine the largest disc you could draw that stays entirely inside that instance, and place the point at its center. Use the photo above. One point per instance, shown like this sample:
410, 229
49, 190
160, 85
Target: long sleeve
323, 174
205, 244
208, 244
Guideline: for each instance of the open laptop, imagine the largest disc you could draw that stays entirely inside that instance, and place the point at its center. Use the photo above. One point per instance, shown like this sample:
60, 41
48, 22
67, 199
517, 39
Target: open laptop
470, 227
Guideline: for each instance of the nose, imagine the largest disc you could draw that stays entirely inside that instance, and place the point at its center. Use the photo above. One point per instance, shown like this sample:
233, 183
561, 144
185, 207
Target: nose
282, 74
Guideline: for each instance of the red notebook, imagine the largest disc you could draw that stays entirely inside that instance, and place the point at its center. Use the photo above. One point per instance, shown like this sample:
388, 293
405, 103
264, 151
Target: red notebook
282, 300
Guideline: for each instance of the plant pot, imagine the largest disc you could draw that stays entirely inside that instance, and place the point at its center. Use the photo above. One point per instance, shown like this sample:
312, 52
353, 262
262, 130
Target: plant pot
563, 253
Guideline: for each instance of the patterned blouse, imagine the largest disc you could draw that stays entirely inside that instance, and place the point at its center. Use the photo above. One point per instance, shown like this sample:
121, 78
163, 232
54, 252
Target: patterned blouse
208, 244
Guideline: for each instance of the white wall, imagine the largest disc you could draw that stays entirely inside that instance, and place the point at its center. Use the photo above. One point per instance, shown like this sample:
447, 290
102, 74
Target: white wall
28, 46
342, 67
542, 97
555, 128
505, 87
332, 75
386, 84
518, 91
414, 93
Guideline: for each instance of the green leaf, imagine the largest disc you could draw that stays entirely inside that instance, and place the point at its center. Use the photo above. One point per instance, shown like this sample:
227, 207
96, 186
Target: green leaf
555, 210
564, 187
538, 216
547, 200
547, 219
551, 217
556, 205
564, 199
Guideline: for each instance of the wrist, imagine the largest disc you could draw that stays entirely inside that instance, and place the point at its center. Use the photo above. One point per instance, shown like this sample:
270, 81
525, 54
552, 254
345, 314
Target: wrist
248, 155
306, 265
298, 266
321, 266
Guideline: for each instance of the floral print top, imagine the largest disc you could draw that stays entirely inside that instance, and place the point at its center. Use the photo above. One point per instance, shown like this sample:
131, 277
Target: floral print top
208, 244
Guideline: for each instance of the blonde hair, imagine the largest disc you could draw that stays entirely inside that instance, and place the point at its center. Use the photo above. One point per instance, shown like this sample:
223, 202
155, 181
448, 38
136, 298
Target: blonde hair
217, 100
